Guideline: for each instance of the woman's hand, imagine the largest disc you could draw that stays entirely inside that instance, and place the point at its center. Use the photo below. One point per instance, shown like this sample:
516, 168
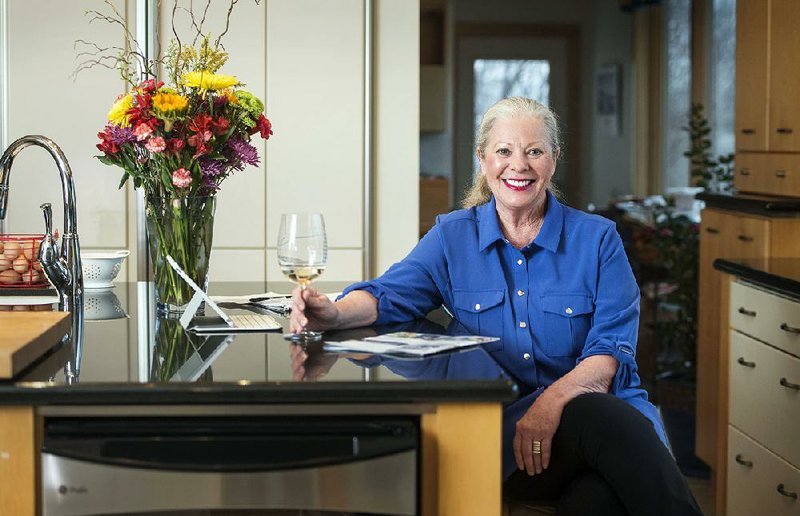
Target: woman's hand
312, 310
539, 423
310, 368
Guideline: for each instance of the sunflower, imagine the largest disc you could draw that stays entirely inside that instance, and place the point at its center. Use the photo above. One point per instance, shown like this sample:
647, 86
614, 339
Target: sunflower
209, 81
168, 103
117, 115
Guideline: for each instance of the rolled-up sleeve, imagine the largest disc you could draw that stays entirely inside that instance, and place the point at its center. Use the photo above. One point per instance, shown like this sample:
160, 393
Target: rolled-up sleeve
412, 287
615, 323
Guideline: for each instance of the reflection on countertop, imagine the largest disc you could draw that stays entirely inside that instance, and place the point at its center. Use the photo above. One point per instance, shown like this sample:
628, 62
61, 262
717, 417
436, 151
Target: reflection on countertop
129, 356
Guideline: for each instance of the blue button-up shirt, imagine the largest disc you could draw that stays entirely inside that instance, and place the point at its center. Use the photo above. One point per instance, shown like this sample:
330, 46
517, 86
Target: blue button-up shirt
568, 295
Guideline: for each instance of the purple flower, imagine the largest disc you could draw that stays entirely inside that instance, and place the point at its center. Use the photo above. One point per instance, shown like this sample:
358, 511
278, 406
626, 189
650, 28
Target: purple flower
211, 167
209, 185
120, 135
241, 154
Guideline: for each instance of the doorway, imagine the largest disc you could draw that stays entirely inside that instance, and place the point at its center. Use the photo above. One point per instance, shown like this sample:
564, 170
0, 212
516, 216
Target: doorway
494, 61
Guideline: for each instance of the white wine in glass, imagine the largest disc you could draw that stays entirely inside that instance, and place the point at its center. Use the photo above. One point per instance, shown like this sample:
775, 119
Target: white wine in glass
303, 253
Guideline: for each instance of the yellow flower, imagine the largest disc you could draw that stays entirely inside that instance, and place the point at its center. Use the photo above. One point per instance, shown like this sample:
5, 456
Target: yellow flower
230, 95
169, 102
209, 81
117, 114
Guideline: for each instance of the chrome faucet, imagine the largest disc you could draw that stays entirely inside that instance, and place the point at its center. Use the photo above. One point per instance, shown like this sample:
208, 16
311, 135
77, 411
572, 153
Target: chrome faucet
63, 271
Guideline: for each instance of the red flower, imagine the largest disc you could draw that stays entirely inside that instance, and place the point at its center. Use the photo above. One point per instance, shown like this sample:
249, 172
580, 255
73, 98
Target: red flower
107, 145
150, 85
221, 125
175, 145
201, 123
181, 178
264, 126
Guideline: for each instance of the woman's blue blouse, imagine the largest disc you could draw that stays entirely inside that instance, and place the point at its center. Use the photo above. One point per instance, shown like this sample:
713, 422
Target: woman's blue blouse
568, 295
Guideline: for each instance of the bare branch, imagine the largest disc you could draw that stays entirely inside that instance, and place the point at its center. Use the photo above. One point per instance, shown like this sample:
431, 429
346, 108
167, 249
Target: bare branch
227, 22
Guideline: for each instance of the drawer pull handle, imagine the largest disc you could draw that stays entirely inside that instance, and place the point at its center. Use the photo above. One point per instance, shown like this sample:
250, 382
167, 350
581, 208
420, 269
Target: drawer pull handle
788, 494
784, 130
740, 460
748, 131
745, 363
789, 385
745, 172
745, 311
712, 230
780, 173
790, 329
745, 238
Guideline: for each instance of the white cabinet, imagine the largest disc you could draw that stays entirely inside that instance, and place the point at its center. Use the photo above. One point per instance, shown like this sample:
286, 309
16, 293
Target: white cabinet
764, 403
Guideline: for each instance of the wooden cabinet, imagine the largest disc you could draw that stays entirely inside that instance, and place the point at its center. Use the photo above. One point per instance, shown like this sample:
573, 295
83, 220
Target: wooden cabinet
767, 106
767, 109
764, 402
751, 75
768, 173
726, 234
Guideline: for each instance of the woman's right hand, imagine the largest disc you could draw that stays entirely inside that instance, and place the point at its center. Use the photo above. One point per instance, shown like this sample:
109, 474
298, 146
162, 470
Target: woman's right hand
312, 310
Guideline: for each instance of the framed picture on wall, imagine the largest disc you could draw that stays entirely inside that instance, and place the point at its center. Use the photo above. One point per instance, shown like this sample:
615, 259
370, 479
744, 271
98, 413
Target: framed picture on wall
608, 100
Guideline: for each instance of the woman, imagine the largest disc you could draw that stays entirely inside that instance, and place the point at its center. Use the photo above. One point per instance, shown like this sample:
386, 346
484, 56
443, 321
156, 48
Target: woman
555, 285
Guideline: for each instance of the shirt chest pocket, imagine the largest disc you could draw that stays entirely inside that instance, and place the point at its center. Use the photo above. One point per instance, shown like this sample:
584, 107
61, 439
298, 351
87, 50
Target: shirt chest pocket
481, 312
567, 320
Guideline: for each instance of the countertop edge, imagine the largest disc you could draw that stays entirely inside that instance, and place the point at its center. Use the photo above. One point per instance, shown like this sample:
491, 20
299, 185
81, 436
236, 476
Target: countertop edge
781, 284
757, 205
268, 394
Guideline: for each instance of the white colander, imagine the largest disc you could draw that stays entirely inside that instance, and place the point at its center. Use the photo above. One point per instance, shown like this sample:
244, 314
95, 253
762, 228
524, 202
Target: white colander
100, 269
102, 305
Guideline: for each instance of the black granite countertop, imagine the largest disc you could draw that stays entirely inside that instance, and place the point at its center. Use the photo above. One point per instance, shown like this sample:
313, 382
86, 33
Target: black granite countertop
779, 274
768, 206
130, 359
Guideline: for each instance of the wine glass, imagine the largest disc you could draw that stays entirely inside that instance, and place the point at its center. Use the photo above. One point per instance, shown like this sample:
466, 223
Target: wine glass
303, 254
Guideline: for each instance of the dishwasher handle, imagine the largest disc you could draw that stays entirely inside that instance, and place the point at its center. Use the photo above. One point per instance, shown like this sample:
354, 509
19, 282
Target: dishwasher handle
227, 446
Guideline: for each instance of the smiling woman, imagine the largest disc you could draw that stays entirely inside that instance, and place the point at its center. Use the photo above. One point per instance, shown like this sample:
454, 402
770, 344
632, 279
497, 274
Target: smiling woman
555, 285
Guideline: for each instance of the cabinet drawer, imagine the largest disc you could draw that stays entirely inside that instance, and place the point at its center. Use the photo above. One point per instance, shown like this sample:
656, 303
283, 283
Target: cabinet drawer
774, 174
765, 316
754, 478
764, 400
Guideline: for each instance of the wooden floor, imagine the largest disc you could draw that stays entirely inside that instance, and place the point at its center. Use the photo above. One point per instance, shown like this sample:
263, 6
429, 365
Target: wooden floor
703, 493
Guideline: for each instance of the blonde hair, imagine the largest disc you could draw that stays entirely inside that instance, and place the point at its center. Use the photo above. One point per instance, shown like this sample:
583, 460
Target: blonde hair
511, 107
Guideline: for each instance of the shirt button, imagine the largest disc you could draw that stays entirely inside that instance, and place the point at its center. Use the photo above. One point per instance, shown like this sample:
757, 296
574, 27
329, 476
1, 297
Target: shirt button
478, 306
568, 310
520, 292
522, 324
519, 262
526, 356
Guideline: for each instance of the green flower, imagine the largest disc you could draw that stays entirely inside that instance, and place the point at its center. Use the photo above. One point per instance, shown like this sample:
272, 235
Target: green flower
250, 103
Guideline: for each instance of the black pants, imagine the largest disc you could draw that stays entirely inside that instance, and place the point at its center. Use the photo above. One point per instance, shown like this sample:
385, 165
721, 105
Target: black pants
606, 460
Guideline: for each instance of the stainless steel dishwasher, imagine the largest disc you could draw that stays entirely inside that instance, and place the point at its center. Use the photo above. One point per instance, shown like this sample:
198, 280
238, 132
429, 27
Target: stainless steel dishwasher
141, 465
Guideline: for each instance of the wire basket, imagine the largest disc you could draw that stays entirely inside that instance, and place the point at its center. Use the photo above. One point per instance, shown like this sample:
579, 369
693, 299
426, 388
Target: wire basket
19, 261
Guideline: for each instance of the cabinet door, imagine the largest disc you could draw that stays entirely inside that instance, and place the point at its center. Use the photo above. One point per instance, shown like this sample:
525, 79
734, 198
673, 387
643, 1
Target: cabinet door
751, 73
768, 173
784, 109
722, 235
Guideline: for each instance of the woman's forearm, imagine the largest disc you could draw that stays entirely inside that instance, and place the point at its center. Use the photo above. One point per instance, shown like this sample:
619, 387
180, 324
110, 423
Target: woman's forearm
593, 374
358, 308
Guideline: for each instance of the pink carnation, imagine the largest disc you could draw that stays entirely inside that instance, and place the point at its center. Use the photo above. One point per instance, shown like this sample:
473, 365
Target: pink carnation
142, 132
181, 178
156, 144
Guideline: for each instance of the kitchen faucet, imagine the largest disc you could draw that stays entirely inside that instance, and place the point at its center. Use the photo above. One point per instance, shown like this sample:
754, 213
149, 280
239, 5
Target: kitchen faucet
63, 271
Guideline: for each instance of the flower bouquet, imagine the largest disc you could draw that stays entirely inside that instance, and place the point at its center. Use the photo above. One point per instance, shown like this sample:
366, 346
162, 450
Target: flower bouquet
178, 142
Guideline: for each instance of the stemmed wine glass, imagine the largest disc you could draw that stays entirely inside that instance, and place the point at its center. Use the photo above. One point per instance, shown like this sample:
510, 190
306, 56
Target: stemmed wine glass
303, 254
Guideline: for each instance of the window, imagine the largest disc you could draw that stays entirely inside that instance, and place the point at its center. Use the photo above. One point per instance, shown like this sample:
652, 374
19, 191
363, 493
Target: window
499, 78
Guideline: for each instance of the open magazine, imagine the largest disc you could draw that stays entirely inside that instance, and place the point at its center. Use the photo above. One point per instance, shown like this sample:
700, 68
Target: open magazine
409, 344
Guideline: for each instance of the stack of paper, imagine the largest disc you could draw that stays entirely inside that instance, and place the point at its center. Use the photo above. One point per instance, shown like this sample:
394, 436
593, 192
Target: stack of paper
408, 344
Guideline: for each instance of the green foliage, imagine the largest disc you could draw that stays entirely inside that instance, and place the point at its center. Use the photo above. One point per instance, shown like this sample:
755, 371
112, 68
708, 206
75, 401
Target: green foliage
706, 170
677, 244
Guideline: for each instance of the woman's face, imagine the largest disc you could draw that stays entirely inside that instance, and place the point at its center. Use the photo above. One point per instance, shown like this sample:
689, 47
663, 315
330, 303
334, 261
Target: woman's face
518, 162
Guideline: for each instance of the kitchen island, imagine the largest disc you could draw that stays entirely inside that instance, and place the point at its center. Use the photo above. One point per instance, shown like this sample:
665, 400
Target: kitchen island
132, 366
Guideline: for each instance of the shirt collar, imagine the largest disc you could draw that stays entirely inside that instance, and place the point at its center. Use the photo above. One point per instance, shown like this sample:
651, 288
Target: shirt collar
549, 235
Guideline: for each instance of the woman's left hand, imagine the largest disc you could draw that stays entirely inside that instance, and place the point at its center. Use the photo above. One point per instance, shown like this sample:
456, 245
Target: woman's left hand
539, 423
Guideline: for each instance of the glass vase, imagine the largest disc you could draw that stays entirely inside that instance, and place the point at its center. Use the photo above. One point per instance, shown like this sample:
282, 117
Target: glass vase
181, 227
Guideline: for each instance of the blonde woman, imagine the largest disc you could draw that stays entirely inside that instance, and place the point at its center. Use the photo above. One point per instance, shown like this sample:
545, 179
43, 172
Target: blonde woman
555, 284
